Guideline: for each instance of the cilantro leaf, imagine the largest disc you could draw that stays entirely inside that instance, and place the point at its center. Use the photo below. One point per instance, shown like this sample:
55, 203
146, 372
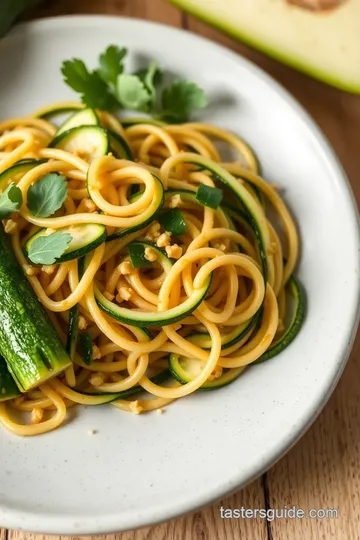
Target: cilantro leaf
132, 93
179, 99
76, 74
10, 201
151, 77
47, 249
95, 93
47, 195
112, 64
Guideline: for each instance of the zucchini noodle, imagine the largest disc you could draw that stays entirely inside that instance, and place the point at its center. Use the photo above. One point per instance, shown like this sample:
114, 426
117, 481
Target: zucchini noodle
204, 304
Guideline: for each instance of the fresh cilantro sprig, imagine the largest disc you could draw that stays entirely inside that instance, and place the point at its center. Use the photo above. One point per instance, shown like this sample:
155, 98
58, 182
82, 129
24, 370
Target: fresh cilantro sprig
47, 249
47, 195
109, 87
10, 201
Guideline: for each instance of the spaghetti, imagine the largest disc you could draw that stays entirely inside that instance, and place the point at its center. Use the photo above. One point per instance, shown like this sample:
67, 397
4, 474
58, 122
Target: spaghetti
202, 304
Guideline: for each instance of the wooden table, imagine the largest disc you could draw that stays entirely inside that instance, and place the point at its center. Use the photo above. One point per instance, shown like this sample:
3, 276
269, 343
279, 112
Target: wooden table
323, 469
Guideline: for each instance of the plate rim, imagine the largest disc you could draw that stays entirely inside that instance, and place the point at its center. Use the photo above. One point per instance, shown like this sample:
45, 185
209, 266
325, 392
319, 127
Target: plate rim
67, 524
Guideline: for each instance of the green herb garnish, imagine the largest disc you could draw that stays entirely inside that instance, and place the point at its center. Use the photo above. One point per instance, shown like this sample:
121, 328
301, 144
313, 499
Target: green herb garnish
10, 201
173, 221
109, 87
47, 249
209, 196
47, 195
137, 256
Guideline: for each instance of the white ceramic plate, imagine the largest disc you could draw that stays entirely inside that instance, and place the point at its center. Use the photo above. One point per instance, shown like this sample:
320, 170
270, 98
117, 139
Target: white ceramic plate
140, 470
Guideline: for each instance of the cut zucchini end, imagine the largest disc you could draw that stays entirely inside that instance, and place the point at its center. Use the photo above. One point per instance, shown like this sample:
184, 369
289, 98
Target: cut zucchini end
48, 366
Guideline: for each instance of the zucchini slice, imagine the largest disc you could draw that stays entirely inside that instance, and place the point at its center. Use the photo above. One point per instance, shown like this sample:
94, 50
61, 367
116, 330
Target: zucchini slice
8, 388
186, 369
86, 141
20, 167
58, 109
203, 340
152, 319
87, 398
119, 146
85, 238
84, 117
298, 293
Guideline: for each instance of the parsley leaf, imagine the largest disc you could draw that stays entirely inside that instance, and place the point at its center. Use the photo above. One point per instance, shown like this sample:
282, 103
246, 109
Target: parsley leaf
47, 195
95, 93
112, 64
132, 93
47, 249
151, 77
10, 201
179, 99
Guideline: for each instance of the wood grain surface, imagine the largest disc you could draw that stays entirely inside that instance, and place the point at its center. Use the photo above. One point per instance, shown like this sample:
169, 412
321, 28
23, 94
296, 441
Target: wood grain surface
323, 470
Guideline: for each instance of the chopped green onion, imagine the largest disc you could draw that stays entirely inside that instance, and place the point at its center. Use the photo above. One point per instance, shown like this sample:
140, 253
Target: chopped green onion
209, 196
173, 222
85, 341
137, 256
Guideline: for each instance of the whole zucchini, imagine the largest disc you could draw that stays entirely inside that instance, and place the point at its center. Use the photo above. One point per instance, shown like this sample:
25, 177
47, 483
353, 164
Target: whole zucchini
28, 341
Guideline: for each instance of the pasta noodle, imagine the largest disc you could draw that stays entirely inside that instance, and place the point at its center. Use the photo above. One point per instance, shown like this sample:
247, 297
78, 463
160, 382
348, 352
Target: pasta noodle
239, 269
